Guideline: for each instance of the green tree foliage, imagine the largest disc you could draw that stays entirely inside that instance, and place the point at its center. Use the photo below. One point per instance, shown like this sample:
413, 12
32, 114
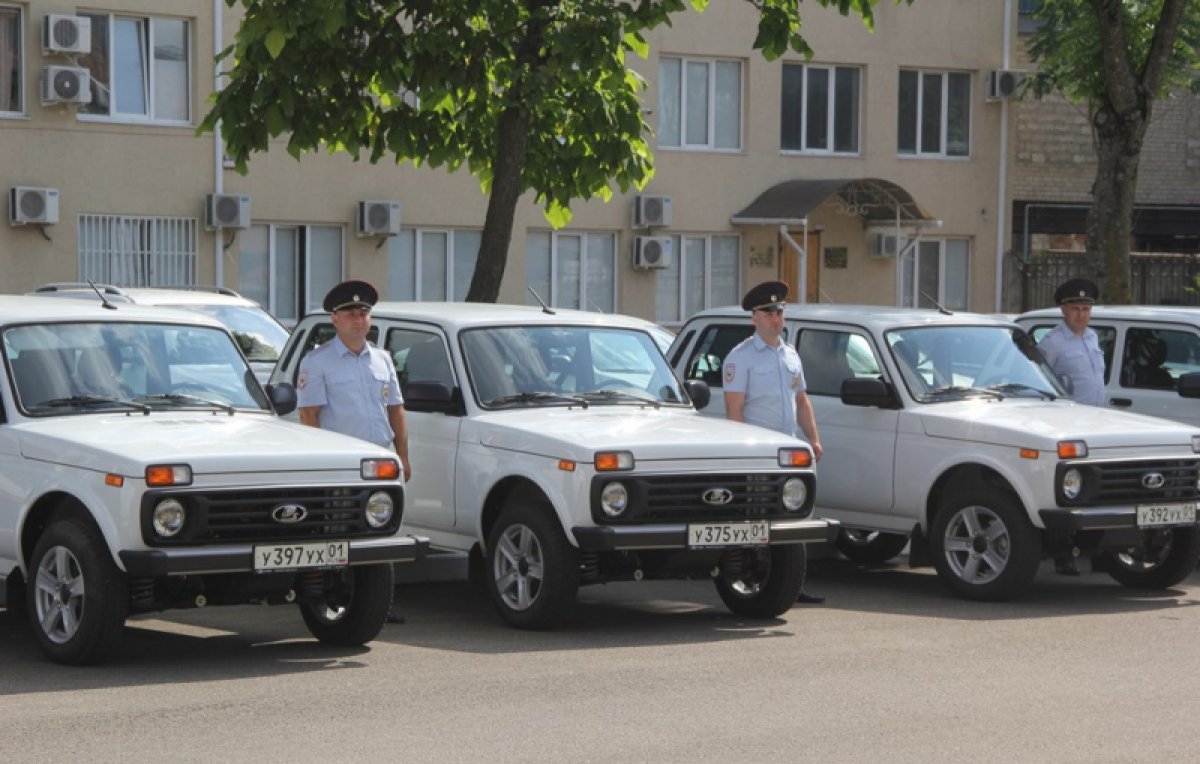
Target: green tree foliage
532, 95
1118, 57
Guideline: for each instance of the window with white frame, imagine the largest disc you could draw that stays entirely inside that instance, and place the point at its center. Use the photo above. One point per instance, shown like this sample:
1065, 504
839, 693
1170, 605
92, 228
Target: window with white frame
289, 268
137, 251
819, 109
11, 59
934, 118
699, 103
140, 68
704, 274
936, 272
572, 269
431, 265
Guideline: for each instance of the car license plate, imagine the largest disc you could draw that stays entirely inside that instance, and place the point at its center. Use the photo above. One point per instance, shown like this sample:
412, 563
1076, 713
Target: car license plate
728, 534
1157, 515
269, 558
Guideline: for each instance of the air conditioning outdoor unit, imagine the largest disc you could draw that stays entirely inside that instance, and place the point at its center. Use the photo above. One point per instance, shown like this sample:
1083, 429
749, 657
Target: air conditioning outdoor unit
66, 34
651, 210
66, 84
1003, 84
651, 252
885, 244
227, 211
377, 218
32, 205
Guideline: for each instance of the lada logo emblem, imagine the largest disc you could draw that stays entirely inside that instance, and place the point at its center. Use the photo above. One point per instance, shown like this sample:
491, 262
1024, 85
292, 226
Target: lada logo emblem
717, 497
1153, 480
289, 513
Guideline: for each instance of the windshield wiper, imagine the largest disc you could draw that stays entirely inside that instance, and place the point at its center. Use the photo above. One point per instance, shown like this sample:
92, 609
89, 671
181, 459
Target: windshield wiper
615, 395
537, 397
1020, 387
88, 401
184, 399
961, 390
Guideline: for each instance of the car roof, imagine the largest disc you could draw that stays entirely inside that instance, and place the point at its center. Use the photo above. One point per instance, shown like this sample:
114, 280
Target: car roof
465, 315
878, 317
147, 295
15, 309
1182, 313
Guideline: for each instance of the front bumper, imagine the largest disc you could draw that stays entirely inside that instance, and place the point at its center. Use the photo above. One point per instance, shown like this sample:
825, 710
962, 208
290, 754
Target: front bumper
610, 538
1089, 518
238, 558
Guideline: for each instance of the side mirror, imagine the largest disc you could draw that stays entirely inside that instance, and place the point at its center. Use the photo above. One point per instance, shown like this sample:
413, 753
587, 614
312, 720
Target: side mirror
433, 398
699, 392
869, 392
1188, 385
283, 397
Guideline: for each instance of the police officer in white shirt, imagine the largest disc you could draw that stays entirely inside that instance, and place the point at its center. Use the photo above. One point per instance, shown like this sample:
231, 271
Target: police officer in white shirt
348, 385
763, 378
1071, 348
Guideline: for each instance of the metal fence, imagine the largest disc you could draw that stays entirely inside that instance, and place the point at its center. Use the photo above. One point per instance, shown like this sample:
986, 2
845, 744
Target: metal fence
1158, 279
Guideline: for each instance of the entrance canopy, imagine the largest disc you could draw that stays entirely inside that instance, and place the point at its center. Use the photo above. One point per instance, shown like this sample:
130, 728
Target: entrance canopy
876, 201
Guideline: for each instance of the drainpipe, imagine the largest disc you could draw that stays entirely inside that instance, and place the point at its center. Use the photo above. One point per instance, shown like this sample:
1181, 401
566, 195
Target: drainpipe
218, 151
1002, 191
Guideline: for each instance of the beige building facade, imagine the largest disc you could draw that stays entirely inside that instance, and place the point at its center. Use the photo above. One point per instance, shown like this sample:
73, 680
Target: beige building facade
878, 172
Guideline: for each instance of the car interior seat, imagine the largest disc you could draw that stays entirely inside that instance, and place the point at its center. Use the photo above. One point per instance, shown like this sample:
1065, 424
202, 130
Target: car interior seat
41, 375
427, 362
1144, 366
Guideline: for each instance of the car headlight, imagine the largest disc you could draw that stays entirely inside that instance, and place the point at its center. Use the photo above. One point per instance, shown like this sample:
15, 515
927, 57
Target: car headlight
795, 491
380, 509
169, 516
614, 499
1072, 483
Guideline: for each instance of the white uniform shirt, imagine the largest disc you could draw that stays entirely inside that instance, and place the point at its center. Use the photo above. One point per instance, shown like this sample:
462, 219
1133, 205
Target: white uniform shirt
353, 391
770, 377
1079, 358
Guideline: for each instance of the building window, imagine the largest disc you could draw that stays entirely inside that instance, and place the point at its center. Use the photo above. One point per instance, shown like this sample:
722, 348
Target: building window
10, 60
704, 274
700, 103
431, 265
936, 272
133, 251
935, 114
819, 109
140, 68
289, 268
572, 270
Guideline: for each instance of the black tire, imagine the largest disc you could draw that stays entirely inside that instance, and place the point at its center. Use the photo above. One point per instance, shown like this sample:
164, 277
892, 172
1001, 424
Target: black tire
870, 547
533, 570
357, 616
76, 596
1165, 558
983, 545
767, 582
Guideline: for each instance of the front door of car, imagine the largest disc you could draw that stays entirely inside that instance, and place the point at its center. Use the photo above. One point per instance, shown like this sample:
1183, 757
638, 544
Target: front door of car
1150, 359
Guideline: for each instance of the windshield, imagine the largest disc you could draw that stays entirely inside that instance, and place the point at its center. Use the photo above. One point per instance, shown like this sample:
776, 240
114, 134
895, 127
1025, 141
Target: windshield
257, 332
74, 368
946, 362
565, 365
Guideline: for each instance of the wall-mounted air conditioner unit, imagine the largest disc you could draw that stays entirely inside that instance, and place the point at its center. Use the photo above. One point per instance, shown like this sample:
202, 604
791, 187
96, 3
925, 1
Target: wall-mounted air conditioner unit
66, 84
377, 218
32, 205
885, 244
1003, 84
226, 211
651, 252
651, 210
66, 34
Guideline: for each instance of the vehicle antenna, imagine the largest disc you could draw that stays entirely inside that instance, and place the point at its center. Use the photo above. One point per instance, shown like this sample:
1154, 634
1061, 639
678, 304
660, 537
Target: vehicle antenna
538, 297
99, 293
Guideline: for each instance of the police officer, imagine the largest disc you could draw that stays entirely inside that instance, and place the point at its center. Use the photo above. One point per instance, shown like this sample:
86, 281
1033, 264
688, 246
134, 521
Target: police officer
763, 378
348, 385
1073, 351
1071, 348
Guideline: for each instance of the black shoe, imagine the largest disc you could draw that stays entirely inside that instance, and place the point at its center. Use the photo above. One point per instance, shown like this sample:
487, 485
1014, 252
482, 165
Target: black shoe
810, 599
1067, 567
393, 616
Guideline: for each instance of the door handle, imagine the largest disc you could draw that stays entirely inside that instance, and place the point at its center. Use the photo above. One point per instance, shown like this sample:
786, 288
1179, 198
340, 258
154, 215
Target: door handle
1121, 402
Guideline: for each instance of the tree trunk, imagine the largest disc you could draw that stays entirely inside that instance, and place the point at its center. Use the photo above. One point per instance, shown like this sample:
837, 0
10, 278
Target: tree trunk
1110, 219
502, 207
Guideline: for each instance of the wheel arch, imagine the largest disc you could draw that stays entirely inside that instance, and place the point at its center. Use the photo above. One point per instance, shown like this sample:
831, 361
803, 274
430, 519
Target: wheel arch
507, 489
962, 476
48, 508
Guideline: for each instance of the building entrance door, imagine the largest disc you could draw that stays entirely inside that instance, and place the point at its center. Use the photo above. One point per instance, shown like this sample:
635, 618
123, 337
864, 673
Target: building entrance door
789, 265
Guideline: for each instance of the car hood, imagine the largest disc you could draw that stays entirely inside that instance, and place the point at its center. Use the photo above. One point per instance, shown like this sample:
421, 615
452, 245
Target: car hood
208, 443
677, 434
1041, 424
